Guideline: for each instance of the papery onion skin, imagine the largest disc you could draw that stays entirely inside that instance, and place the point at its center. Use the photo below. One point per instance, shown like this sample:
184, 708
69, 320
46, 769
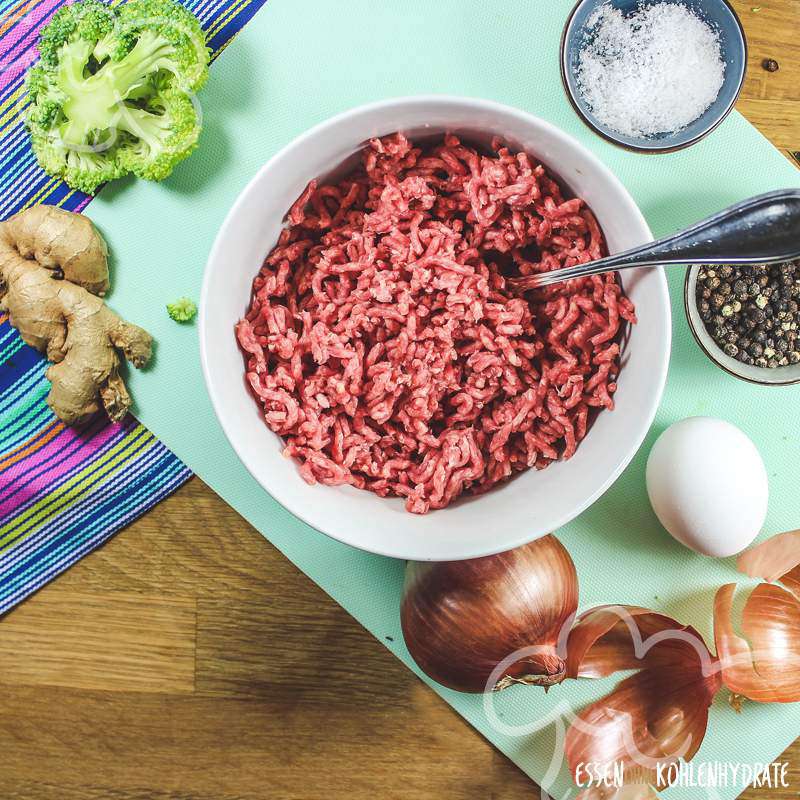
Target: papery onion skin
764, 666
656, 716
461, 619
791, 580
631, 792
764, 663
773, 558
609, 639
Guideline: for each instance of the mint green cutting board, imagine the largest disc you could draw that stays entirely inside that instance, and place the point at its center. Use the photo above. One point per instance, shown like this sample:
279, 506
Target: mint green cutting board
294, 65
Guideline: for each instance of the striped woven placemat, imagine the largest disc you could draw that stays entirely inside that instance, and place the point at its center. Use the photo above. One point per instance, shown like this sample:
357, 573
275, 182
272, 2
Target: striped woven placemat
65, 491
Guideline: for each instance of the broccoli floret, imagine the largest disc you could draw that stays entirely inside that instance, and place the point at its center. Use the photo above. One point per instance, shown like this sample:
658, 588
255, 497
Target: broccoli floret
164, 133
80, 24
82, 169
187, 56
112, 92
182, 310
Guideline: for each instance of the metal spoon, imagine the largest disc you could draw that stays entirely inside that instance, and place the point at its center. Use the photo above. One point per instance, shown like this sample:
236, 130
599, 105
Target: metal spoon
762, 230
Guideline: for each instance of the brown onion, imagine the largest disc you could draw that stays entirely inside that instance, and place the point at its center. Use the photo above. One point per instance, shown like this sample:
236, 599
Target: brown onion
462, 620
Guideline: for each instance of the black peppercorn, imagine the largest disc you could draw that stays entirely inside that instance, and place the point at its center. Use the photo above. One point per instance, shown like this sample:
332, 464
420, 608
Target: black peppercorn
770, 65
752, 312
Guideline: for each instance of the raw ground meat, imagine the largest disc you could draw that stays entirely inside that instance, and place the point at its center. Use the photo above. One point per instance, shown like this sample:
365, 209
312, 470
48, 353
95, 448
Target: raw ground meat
384, 347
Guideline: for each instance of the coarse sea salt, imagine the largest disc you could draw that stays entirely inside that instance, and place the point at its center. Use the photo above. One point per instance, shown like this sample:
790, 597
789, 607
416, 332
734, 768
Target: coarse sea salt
651, 72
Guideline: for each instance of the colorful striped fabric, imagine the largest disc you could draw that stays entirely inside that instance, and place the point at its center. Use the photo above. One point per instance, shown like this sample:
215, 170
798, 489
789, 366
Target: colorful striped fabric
65, 491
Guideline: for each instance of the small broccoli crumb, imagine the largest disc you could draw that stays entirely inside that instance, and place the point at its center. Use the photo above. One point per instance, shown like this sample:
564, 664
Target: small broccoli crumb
182, 310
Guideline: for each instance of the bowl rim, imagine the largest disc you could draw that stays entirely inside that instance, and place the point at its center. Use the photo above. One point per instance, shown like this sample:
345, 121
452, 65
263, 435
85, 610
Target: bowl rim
688, 303
609, 137
491, 546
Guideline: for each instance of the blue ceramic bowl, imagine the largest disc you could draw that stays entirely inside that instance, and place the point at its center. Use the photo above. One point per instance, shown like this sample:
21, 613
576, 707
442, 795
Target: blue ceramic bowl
733, 45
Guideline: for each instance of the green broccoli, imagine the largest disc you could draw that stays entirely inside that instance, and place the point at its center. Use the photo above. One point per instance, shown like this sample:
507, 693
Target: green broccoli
182, 310
113, 91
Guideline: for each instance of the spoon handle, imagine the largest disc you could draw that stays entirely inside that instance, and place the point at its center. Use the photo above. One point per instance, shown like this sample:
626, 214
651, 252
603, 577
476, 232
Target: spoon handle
762, 230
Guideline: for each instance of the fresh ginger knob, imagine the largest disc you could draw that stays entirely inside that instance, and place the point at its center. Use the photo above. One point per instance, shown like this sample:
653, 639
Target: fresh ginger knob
53, 273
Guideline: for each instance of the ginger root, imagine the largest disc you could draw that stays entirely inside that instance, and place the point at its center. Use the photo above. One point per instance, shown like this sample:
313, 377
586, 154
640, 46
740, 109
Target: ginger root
53, 274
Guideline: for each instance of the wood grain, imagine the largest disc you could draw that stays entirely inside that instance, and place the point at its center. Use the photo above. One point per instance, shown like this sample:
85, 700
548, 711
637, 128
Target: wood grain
152, 648
188, 660
771, 100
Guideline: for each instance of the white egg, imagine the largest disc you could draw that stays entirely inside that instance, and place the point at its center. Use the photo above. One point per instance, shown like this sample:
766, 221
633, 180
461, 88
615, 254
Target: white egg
708, 485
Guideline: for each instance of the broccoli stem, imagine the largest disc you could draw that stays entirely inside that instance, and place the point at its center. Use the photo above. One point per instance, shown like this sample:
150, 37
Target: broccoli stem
95, 103
150, 53
148, 128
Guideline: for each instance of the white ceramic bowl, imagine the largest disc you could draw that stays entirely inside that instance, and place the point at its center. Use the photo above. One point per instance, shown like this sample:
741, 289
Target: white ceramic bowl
532, 504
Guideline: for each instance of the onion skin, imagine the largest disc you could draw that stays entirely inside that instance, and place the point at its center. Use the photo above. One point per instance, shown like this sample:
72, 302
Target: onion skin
657, 715
654, 716
765, 665
791, 580
460, 619
773, 558
602, 641
631, 792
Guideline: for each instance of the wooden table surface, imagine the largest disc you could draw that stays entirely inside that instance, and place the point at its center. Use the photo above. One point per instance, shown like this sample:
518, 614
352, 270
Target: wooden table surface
188, 660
